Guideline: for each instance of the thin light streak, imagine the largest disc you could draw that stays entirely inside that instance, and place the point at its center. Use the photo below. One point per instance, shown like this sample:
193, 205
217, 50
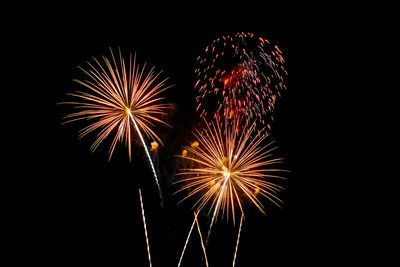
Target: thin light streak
237, 242
145, 227
201, 239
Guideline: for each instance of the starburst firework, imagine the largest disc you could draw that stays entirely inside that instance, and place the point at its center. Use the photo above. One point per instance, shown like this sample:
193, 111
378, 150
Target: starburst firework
117, 97
229, 167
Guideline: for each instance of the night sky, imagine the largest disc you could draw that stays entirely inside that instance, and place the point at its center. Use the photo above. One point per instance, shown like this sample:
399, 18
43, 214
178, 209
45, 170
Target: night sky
97, 216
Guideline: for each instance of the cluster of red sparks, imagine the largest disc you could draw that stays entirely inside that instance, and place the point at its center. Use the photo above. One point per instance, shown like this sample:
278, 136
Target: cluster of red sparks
240, 75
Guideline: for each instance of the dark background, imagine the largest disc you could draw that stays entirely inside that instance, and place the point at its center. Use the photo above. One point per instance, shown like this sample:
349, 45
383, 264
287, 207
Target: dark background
94, 208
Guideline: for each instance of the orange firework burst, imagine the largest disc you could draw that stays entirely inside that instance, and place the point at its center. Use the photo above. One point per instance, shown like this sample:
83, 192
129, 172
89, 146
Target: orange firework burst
118, 97
228, 168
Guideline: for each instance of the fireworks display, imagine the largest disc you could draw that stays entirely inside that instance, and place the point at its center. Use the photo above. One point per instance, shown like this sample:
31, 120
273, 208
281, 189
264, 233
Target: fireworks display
230, 164
240, 76
118, 96
229, 168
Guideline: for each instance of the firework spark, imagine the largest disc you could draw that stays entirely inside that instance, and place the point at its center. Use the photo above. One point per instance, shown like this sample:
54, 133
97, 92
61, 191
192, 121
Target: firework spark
240, 75
229, 169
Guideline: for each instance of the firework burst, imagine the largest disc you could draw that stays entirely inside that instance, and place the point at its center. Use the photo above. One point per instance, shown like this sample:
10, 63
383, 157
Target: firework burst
240, 76
228, 168
119, 96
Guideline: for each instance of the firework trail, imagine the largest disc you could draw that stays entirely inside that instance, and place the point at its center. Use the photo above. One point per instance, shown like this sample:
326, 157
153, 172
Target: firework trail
240, 75
237, 242
187, 239
229, 168
148, 157
145, 227
120, 95
201, 240
195, 220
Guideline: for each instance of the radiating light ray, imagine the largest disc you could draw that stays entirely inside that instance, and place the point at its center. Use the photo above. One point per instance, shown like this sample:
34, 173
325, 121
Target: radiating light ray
228, 168
237, 241
215, 211
145, 227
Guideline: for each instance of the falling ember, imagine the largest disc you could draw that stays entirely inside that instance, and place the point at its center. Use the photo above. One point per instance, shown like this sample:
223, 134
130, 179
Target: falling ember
245, 74
194, 144
154, 146
184, 153
231, 114
227, 168
226, 81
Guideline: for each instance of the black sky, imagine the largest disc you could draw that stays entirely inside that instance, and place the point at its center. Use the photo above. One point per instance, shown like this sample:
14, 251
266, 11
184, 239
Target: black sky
97, 219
